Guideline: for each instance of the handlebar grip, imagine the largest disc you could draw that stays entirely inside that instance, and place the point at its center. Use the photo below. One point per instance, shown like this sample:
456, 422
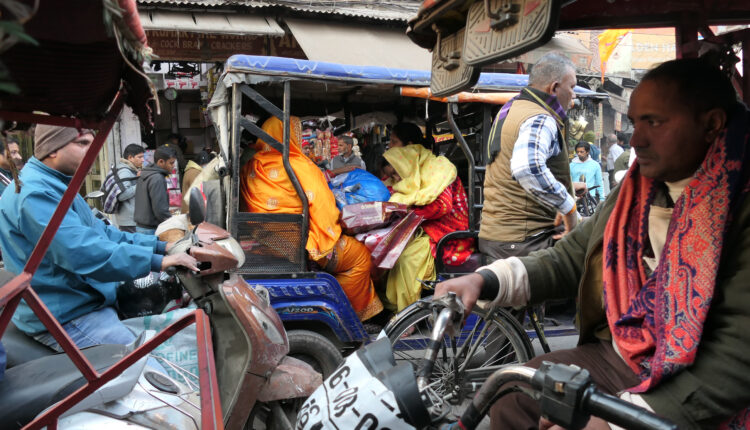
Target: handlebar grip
622, 413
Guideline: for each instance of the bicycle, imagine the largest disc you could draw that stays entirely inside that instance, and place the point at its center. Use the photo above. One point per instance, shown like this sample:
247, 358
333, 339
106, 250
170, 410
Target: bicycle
489, 339
585, 202
372, 390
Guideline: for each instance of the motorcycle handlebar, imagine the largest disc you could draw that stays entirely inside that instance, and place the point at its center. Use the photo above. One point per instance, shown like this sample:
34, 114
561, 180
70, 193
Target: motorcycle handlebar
578, 399
622, 413
592, 401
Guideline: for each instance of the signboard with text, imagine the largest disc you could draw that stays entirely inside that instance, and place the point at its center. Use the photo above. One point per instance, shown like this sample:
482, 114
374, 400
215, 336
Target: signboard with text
208, 47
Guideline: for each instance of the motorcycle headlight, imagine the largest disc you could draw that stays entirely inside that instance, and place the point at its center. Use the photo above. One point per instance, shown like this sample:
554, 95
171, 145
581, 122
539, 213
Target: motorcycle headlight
268, 326
231, 245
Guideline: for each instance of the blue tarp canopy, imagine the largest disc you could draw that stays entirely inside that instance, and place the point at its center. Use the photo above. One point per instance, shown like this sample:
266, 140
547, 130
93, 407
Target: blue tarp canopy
294, 68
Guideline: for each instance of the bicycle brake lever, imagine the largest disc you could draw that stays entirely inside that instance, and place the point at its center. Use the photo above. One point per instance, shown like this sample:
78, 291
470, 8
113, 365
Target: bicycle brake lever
451, 302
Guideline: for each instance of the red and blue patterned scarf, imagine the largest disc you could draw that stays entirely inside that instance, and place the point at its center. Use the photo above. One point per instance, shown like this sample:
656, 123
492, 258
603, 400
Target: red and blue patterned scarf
657, 320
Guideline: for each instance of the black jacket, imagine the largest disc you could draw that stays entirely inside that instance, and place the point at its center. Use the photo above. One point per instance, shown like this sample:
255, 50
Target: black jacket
151, 198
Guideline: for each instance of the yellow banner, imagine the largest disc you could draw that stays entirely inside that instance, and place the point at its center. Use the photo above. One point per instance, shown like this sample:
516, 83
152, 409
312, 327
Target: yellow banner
608, 41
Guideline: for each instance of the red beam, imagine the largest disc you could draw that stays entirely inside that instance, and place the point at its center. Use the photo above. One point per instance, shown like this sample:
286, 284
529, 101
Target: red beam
20, 287
75, 184
210, 403
211, 416
7, 312
61, 336
14, 288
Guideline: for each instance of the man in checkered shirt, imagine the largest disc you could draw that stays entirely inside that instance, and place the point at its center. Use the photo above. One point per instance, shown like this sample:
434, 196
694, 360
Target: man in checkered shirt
527, 185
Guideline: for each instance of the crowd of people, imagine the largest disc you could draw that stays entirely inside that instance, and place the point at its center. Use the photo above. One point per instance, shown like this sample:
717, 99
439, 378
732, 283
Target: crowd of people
658, 272
139, 194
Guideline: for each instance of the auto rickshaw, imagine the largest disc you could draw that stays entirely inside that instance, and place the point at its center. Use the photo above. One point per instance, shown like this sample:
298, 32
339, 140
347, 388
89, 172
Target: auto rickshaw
316, 313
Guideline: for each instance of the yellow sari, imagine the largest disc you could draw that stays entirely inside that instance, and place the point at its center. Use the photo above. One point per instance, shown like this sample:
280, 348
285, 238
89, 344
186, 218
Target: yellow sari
266, 188
423, 175
423, 178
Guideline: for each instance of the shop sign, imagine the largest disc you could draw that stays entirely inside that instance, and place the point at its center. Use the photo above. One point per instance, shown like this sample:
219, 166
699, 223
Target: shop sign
184, 83
208, 47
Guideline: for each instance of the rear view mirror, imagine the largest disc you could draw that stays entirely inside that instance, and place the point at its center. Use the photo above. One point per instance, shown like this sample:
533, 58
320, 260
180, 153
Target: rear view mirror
450, 74
492, 31
196, 207
500, 29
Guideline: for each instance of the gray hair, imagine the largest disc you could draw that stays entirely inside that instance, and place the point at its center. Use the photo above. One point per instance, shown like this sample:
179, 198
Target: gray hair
550, 68
611, 138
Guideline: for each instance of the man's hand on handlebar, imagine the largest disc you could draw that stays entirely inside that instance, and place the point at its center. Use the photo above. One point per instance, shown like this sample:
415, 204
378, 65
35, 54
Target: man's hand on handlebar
467, 289
595, 423
180, 259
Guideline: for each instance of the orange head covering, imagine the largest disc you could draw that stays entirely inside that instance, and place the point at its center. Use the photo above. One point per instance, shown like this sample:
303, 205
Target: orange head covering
266, 188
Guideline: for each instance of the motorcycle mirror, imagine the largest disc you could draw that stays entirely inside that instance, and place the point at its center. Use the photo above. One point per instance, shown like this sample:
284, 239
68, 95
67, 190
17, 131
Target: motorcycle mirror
197, 207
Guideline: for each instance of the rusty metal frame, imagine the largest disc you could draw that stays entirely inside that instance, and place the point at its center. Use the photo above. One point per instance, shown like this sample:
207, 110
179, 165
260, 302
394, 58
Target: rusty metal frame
20, 288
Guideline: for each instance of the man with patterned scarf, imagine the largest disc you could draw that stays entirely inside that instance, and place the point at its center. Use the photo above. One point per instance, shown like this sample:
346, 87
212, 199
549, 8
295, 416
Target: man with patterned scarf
661, 271
527, 186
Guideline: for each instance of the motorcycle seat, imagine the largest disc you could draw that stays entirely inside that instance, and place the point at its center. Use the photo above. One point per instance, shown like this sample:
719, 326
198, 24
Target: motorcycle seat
31, 387
21, 348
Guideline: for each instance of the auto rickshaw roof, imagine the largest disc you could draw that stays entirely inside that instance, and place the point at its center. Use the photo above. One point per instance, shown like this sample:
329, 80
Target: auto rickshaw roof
265, 69
648, 13
86, 51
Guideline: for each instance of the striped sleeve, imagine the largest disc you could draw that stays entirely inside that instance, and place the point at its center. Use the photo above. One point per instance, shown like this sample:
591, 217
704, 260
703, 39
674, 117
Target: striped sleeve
536, 143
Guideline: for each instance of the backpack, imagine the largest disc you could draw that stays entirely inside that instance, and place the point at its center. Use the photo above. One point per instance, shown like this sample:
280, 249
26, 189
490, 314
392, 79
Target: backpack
112, 187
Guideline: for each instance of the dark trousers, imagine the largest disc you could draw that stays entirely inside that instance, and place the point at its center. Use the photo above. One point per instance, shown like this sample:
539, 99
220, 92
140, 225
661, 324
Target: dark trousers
517, 411
496, 250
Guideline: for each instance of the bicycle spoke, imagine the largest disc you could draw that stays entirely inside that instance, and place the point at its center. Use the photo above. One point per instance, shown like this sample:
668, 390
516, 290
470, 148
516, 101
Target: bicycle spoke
483, 345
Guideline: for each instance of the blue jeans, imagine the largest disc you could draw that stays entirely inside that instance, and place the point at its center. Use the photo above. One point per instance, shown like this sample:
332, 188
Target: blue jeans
149, 231
98, 327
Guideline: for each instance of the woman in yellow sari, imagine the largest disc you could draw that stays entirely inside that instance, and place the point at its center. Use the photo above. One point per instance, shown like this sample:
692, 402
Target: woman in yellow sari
430, 185
266, 188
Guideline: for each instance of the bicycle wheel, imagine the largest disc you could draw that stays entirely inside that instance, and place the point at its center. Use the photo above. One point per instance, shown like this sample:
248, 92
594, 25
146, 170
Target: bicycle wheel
486, 343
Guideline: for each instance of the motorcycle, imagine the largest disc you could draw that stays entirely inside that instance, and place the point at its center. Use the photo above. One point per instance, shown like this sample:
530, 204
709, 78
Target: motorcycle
258, 382
371, 391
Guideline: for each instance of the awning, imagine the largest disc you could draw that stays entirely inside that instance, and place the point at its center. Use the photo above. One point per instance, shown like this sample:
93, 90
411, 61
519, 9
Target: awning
211, 23
359, 45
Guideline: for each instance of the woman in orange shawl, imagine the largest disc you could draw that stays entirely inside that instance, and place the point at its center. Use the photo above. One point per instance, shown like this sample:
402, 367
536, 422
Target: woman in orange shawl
266, 188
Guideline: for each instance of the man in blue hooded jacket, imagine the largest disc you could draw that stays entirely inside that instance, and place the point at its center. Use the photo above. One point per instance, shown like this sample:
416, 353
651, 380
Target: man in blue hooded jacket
87, 259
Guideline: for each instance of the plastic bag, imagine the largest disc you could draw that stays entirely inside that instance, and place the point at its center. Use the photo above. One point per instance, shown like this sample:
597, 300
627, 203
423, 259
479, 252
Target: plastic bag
181, 349
360, 186
361, 217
